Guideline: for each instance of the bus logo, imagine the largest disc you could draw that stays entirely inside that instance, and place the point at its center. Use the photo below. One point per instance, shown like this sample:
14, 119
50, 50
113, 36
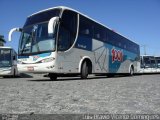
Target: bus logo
117, 55
35, 57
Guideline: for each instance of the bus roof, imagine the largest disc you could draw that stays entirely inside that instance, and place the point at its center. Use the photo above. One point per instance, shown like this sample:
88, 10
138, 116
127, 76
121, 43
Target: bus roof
64, 7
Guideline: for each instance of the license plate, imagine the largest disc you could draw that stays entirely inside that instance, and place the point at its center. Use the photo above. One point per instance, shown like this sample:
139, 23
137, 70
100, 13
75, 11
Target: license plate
30, 68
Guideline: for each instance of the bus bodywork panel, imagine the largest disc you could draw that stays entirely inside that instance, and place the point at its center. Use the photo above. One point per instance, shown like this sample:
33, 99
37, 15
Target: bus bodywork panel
8, 71
5, 71
101, 57
107, 58
44, 62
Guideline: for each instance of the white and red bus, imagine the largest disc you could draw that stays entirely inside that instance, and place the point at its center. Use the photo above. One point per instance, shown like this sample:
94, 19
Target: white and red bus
61, 41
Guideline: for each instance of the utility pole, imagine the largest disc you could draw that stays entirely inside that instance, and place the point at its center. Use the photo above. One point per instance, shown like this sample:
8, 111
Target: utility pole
144, 48
145, 53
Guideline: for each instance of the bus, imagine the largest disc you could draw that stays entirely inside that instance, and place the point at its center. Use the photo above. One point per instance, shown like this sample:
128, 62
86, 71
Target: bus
150, 64
8, 62
61, 41
158, 63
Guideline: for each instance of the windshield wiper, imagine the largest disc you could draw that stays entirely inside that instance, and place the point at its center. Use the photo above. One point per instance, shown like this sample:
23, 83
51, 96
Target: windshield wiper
35, 40
22, 50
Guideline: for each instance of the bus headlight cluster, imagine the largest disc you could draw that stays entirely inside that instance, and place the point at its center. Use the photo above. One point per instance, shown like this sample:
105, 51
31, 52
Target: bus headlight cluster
47, 60
19, 62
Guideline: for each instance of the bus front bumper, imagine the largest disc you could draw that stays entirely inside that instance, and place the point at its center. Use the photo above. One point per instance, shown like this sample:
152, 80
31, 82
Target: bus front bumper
36, 68
5, 71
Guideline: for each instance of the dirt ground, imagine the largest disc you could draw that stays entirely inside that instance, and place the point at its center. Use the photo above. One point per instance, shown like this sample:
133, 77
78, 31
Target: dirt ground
39, 95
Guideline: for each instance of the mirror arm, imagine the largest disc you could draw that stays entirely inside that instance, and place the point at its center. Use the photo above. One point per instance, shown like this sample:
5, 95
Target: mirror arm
11, 32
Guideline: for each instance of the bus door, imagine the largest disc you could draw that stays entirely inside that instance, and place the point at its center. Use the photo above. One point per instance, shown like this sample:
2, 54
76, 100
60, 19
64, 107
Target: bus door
66, 38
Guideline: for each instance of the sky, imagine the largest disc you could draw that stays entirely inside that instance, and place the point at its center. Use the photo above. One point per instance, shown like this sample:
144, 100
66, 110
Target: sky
138, 20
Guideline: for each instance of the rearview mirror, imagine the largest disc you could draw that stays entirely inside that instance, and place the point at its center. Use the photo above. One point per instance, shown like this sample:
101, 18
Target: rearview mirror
52, 25
11, 32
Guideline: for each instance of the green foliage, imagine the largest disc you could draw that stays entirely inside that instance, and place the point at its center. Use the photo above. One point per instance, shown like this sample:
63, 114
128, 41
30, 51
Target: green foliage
2, 38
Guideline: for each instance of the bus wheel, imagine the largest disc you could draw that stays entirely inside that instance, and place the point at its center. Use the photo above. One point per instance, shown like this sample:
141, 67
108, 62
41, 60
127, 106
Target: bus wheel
84, 70
110, 75
131, 72
52, 76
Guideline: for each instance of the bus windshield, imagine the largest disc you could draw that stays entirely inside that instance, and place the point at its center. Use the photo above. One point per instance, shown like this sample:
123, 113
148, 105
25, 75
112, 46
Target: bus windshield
147, 62
158, 61
35, 38
153, 63
5, 58
158, 64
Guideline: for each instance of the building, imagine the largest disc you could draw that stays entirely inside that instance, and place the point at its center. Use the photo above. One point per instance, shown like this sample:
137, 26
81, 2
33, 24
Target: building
2, 41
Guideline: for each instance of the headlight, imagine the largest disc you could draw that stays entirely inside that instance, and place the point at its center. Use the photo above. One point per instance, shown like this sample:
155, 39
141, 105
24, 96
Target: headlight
19, 62
47, 60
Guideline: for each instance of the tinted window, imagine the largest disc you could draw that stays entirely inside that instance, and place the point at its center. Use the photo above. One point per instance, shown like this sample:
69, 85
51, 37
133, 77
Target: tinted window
120, 41
67, 31
111, 38
91, 29
85, 27
99, 32
42, 17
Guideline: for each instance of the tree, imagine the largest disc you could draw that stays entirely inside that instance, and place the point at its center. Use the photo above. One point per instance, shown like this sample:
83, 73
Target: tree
2, 40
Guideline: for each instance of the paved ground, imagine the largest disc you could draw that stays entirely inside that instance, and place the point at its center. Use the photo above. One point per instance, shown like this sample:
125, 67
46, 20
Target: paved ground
138, 94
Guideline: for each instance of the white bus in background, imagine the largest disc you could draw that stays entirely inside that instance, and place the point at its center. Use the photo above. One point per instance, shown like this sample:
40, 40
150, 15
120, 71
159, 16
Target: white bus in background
61, 41
158, 63
150, 64
8, 62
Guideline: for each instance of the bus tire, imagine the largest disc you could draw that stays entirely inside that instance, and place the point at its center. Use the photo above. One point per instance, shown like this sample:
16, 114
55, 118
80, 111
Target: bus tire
110, 75
52, 76
131, 71
84, 70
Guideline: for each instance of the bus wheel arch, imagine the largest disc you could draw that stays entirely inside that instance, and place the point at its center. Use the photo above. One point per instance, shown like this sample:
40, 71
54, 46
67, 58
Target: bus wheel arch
85, 67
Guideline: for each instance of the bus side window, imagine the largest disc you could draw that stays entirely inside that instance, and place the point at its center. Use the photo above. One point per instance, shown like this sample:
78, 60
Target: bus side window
99, 33
67, 30
111, 39
85, 27
85, 32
